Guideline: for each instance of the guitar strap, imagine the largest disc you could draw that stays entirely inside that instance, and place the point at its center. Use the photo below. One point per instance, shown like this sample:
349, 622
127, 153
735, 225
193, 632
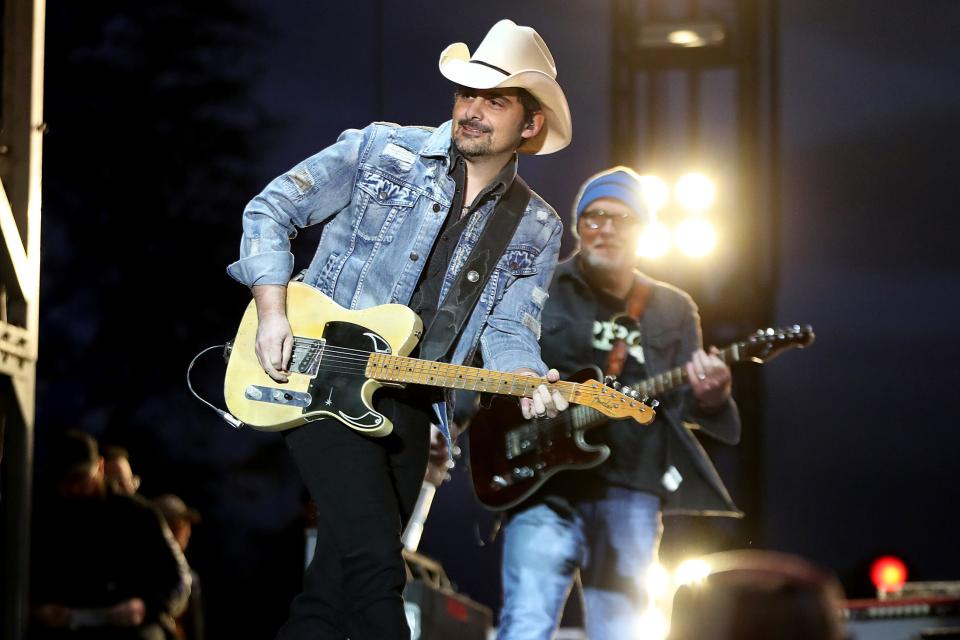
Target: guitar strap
636, 305
465, 291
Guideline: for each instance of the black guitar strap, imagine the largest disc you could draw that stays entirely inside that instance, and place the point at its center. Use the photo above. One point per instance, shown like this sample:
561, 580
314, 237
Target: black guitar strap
463, 295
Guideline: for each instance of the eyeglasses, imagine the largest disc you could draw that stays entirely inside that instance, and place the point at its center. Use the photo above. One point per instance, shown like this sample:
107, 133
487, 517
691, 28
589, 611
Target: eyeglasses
596, 218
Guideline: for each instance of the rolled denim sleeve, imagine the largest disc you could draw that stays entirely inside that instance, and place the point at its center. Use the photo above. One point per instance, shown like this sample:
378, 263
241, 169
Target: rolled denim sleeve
510, 338
310, 193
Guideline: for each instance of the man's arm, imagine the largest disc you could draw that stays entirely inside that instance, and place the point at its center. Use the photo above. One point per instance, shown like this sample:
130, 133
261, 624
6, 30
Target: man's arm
707, 403
510, 339
165, 572
274, 336
310, 193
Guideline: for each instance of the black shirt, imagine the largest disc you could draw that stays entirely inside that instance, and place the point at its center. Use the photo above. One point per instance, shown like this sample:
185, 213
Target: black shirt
426, 295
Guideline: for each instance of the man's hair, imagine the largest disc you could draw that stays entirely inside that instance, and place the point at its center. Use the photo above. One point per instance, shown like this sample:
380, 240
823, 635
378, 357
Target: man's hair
73, 452
114, 452
530, 104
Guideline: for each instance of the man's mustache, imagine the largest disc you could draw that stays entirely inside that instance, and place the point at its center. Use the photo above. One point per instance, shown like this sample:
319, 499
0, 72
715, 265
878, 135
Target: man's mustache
467, 122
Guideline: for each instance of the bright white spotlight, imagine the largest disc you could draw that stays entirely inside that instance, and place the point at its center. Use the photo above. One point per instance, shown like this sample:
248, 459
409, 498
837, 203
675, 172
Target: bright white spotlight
685, 38
654, 241
691, 571
695, 191
654, 191
657, 581
696, 237
652, 624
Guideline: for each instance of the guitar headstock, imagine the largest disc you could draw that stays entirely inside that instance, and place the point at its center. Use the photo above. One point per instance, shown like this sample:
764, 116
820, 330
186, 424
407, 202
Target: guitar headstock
766, 344
613, 403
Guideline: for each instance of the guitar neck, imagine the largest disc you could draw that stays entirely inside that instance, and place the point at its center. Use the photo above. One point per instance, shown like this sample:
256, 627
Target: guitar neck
389, 368
584, 417
669, 380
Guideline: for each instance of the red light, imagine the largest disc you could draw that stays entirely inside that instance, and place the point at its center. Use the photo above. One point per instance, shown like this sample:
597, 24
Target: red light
888, 574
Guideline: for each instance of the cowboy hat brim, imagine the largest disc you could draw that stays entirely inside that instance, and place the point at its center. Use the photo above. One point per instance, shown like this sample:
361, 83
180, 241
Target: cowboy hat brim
455, 65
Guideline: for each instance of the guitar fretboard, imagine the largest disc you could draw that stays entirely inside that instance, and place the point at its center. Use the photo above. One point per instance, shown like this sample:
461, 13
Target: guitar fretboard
584, 417
669, 380
389, 368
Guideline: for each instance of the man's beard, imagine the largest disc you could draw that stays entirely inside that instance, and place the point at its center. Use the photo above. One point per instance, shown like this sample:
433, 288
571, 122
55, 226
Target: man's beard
599, 262
481, 146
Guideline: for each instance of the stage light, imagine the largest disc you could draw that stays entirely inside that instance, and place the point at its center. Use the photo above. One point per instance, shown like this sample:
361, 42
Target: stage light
657, 581
654, 241
652, 624
696, 237
691, 571
655, 192
681, 34
685, 38
695, 191
888, 574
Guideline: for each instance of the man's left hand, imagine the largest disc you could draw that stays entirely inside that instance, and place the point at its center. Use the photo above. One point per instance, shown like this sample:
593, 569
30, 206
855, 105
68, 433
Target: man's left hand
544, 401
709, 378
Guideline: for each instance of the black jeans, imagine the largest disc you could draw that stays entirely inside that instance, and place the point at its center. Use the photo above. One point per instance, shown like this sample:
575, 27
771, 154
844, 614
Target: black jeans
365, 489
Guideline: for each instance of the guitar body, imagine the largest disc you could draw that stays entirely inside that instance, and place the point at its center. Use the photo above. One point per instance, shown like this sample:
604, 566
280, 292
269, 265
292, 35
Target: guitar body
322, 330
511, 458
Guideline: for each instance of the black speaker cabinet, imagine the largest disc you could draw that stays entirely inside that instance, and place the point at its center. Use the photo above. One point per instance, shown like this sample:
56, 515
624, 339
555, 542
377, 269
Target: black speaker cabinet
441, 614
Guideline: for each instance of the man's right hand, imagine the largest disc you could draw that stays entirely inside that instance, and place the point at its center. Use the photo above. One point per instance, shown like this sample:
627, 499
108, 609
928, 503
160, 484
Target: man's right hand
274, 336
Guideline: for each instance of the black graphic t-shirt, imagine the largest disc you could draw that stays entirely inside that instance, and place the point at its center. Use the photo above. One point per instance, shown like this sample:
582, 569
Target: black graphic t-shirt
637, 452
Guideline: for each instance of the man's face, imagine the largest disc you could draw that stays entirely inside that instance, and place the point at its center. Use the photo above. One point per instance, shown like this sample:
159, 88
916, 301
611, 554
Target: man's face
489, 122
118, 470
609, 231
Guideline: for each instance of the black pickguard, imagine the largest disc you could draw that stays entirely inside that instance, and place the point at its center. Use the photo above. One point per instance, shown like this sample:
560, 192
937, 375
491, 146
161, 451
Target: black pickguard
339, 392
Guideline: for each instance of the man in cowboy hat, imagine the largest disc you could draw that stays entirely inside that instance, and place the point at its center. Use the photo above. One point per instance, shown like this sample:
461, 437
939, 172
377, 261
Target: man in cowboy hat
402, 209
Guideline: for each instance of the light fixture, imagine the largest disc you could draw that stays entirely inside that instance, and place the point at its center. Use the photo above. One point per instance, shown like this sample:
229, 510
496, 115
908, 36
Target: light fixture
654, 192
696, 237
681, 34
695, 191
654, 241
691, 571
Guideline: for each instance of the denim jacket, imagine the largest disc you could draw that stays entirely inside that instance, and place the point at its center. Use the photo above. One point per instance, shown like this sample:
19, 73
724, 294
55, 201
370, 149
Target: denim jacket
382, 194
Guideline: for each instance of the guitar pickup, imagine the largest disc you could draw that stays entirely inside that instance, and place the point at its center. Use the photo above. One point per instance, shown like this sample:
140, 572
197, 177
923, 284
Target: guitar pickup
273, 395
520, 440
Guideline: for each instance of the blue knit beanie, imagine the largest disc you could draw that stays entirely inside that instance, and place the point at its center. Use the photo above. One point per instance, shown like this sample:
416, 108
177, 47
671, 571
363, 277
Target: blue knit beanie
621, 183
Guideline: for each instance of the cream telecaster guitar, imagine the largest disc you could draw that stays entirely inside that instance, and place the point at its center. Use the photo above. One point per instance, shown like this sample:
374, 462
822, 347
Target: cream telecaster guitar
340, 357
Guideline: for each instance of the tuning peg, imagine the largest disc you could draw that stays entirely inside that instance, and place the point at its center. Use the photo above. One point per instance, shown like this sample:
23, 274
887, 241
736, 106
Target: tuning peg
653, 403
625, 390
610, 380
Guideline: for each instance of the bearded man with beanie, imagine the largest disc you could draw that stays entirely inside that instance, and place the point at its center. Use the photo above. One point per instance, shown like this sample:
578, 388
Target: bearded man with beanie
603, 525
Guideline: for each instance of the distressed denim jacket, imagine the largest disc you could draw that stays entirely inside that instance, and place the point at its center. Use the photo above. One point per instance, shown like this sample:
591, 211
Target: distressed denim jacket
382, 194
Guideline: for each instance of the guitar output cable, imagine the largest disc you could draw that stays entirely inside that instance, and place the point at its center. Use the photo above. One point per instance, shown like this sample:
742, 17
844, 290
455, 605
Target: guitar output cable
229, 418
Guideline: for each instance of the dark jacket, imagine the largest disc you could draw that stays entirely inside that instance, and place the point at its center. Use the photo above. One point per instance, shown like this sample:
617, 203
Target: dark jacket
93, 553
670, 334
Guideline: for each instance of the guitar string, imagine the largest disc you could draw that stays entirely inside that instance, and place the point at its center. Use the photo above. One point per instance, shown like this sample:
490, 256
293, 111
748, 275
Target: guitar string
351, 364
358, 359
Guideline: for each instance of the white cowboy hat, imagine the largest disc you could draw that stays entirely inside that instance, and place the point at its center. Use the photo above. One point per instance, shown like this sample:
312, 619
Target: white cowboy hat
515, 56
